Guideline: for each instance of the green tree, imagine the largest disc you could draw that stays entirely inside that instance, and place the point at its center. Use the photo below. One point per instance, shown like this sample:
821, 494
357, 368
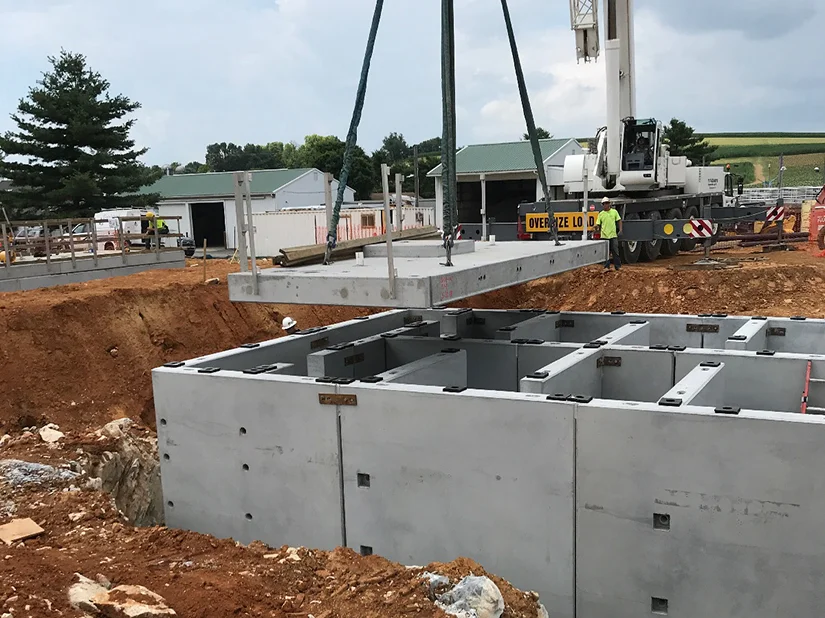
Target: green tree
541, 133
72, 154
683, 141
394, 148
326, 153
231, 157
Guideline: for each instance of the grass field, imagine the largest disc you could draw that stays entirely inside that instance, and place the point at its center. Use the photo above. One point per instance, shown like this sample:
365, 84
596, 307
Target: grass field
755, 156
801, 169
763, 141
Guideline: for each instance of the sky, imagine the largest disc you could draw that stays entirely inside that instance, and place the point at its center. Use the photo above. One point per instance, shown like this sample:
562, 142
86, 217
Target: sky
260, 71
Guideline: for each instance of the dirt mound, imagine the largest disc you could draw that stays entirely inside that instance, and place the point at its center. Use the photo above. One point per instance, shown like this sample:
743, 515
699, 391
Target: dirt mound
198, 576
82, 354
774, 287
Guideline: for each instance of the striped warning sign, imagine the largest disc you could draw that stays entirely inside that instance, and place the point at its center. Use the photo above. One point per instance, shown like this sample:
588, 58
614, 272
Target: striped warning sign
775, 213
701, 228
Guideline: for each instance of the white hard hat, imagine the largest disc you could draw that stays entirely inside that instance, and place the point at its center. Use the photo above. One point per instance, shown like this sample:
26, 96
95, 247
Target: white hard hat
605, 200
288, 323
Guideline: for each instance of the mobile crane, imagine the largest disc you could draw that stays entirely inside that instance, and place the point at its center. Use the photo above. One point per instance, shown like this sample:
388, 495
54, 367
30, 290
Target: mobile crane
657, 193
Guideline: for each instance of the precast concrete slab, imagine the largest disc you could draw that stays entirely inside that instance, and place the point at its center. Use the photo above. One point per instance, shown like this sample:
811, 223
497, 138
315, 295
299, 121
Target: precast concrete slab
619, 464
420, 281
30, 276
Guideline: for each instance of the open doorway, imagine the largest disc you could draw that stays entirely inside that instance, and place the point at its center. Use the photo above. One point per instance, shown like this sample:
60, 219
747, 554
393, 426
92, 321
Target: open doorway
208, 222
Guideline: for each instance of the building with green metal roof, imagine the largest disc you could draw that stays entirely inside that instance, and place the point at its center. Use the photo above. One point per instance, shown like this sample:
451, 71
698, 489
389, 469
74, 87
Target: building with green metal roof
203, 205
493, 179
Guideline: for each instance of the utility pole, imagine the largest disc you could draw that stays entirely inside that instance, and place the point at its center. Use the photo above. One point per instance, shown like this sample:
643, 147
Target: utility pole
415, 172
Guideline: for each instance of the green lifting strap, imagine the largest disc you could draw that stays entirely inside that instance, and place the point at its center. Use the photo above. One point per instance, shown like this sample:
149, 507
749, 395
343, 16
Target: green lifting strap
531, 123
448, 138
352, 135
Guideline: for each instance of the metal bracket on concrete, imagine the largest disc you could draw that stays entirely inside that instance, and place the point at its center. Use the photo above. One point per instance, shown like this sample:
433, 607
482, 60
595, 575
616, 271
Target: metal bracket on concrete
609, 361
776, 332
334, 399
702, 328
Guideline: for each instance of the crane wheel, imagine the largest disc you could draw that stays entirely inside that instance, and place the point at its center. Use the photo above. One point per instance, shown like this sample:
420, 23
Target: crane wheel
820, 238
652, 248
671, 247
630, 250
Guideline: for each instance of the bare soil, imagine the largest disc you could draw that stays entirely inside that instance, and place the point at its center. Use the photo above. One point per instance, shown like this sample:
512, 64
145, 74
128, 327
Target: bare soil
199, 576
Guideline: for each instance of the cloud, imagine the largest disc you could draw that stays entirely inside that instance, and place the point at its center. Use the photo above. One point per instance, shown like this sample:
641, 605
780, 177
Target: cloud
276, 70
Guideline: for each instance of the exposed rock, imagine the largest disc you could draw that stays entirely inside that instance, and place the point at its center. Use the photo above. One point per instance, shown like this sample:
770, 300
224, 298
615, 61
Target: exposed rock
6, 438
131, 602
116, 429
50, 434
130, 472
20, 473
82, 593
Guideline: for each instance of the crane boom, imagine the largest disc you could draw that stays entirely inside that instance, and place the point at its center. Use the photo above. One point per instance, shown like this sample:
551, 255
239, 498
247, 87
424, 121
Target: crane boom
584, 19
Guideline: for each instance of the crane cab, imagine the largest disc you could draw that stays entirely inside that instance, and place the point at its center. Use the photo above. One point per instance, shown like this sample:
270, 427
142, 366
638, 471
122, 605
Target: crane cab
644, 157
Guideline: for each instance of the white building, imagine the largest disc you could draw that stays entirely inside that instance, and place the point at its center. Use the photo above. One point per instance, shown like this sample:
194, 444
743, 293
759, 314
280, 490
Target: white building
206, 202
506, 174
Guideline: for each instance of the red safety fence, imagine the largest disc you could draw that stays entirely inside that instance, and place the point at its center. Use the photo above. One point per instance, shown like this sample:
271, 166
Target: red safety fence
817, 224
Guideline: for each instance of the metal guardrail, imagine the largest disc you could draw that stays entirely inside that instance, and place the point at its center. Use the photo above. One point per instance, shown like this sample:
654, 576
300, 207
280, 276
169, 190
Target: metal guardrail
792, 195
51, 245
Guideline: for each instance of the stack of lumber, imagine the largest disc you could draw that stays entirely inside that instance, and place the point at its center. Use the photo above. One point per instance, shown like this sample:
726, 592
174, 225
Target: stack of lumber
314, 254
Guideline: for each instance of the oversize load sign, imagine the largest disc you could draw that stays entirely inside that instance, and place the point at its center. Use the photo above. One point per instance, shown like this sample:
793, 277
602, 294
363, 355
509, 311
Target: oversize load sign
566, 221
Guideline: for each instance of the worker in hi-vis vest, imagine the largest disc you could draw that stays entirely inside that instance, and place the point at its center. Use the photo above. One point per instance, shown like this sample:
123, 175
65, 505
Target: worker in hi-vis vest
155, 222
606, 227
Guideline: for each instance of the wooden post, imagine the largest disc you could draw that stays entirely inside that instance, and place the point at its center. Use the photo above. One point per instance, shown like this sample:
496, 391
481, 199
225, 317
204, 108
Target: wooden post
399, 194
328, 200
204, 260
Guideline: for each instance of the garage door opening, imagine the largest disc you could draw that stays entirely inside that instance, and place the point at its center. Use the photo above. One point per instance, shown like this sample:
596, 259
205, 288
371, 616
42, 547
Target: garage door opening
208, 222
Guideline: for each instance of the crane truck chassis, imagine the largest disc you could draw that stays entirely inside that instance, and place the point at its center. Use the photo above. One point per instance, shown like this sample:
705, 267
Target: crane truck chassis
659, 226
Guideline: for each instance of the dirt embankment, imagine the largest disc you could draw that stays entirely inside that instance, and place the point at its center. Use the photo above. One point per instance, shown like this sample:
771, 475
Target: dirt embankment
82, 354
784, 284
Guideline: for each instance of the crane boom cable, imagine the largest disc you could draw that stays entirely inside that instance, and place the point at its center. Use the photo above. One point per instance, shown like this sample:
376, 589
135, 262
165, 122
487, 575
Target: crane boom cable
352, 135
529, 120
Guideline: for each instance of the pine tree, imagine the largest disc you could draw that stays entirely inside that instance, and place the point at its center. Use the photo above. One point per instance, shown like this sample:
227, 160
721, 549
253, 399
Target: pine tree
683, 141
72, 154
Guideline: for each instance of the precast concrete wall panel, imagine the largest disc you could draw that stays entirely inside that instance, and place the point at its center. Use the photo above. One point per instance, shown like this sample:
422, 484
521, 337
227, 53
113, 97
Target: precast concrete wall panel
687, 513
801, 336
295, 348
640, 375
249, 457
754, 381
533, 357
490, 364
476, 474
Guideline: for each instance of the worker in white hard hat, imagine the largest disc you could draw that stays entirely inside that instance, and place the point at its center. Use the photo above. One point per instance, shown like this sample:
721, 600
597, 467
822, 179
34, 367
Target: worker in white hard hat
289, 325
606, 227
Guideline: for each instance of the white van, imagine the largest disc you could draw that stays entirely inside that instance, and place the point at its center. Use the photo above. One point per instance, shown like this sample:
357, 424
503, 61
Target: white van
107, 230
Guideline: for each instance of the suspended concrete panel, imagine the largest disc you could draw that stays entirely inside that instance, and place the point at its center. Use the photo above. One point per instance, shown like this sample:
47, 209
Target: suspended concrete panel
421, 281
